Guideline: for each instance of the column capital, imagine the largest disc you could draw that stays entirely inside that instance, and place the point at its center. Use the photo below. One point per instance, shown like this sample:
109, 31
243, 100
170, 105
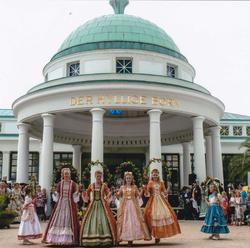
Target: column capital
76, 146
97, 111
186, 144
198, 118
154, 115
154, 111
48, 116
215, 130
48, 119
23, 126
6, 152
198, 121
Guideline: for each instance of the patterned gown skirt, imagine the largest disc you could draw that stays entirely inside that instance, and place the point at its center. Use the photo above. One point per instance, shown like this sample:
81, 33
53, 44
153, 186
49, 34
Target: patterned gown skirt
96, 229
161, 218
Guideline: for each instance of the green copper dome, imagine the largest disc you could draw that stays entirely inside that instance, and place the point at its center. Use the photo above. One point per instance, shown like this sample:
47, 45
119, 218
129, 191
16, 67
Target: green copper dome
119, 31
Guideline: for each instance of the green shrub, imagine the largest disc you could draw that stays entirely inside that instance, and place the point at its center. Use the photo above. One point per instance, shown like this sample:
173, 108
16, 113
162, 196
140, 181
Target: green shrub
6, 218
3, 202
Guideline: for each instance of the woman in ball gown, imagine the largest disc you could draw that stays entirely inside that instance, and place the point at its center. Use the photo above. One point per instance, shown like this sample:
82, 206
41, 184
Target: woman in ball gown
215, 222
159, 215
98, 226
130, 221
63, 226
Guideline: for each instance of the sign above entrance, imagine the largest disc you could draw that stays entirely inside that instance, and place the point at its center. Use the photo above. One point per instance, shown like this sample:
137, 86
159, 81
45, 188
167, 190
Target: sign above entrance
124, 100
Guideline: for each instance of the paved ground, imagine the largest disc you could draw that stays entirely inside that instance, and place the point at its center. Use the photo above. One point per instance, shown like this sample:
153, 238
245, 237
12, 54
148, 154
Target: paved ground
190, 237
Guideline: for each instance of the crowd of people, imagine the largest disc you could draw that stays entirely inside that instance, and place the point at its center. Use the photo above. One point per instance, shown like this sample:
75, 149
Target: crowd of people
99, 226
234, 201
16, 198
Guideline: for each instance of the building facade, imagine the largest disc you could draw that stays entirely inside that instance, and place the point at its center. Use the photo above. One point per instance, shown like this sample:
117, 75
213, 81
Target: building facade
118, 89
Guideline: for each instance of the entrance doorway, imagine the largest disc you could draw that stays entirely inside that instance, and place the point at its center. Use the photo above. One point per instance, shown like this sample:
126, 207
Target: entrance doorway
114, 159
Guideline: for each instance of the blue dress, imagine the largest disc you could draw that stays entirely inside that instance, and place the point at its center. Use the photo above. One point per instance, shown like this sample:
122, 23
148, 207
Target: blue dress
215, 222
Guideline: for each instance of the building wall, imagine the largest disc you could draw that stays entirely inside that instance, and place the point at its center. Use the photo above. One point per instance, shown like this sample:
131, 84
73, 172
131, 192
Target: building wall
104, 61
9, 141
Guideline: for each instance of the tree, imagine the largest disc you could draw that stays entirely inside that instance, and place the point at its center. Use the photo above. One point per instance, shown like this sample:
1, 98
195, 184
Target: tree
239, 165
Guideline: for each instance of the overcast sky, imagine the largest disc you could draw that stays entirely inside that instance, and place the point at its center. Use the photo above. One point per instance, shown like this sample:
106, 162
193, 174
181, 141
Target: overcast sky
214, 36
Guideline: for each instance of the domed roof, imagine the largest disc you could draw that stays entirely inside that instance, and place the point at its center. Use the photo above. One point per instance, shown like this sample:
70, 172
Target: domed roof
119, 31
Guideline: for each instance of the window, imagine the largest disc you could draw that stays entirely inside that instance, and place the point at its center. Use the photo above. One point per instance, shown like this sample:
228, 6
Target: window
62, 158
248, 130
171, 71
224, 131
1, 165
173, 164
74, 69
13, 166
124, 66
0, 127
237, 130
33, 165
192, 162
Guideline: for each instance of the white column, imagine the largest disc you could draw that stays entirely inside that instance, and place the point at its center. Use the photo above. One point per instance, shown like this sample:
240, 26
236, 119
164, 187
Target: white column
199, 150
181, 171
231, 132
22, 174
186, 162
77, 153
216, 155
97, 139
209, 160
46, 161
147, 156
6, 164
155, 139
244, 131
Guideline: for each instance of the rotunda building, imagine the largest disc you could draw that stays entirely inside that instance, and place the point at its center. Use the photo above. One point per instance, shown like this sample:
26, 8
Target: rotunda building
119, 83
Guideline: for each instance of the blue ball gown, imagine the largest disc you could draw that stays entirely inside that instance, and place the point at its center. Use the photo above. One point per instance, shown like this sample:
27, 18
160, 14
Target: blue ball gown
215, 222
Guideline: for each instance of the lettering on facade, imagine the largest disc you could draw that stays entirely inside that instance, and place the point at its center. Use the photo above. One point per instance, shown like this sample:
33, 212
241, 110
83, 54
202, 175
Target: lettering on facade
126, 100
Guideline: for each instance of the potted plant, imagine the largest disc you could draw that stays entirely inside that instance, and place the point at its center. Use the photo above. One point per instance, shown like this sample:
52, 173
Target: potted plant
6, 216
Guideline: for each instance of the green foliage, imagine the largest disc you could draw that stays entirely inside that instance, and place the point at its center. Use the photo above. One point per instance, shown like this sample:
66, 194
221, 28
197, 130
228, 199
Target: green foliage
6, 216
3, 202
57, 173
86, 174
166, 174
238, 168
239, 165
130, 167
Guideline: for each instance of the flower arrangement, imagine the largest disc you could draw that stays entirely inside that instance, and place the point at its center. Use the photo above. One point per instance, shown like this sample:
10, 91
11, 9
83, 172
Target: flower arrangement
81, 213
95, 163
131, 167
155, 160
107, 177
211, 180
166, 174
